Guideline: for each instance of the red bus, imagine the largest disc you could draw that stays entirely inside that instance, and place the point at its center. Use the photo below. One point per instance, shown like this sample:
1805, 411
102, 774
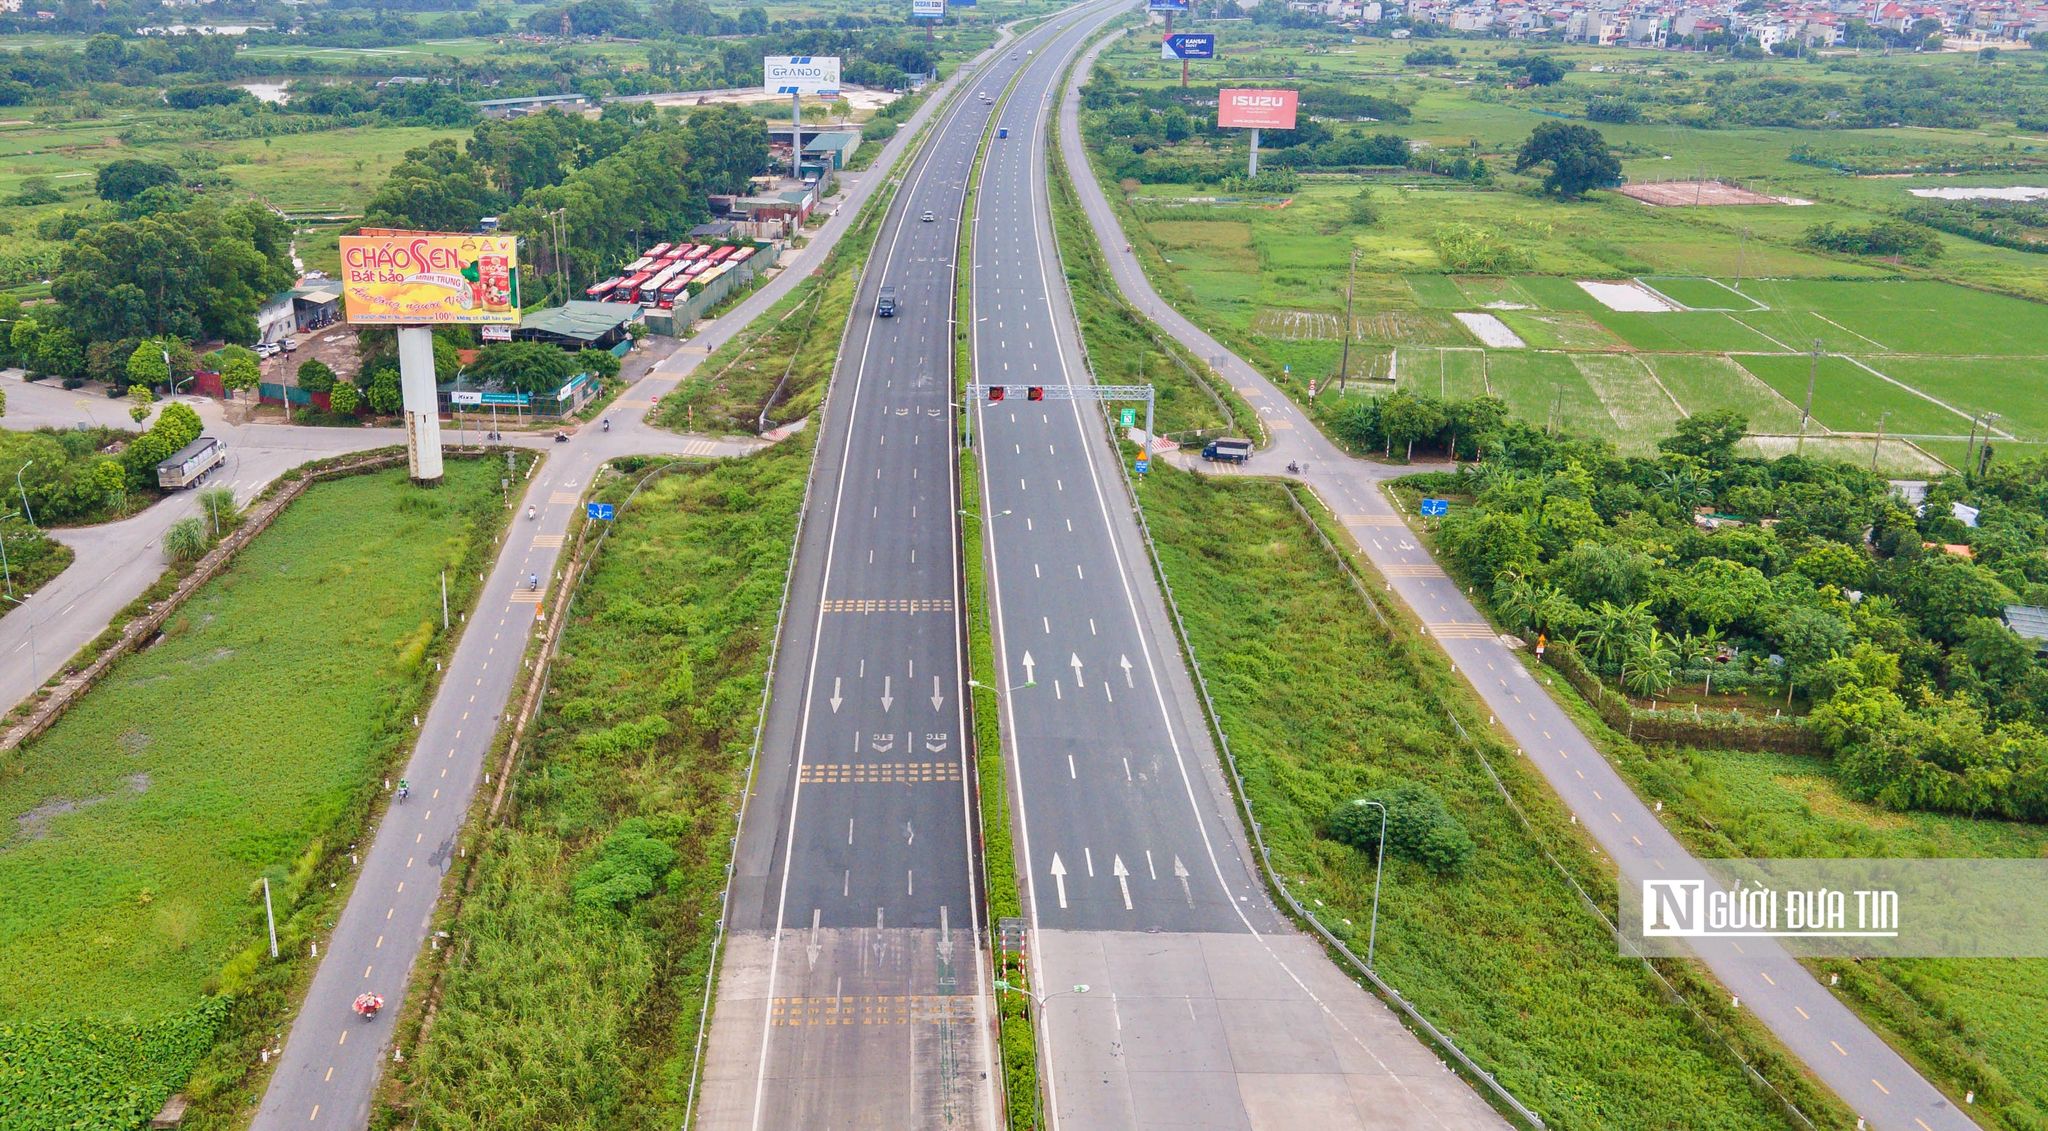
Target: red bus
657, 251
698, 251
677, 252
672, 292
598, 291
741, 255
628, 289
719, 255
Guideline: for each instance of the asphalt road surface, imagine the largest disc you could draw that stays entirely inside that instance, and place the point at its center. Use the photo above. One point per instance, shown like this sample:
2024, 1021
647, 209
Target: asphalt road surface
1176, 995
852, 992
1834, 1043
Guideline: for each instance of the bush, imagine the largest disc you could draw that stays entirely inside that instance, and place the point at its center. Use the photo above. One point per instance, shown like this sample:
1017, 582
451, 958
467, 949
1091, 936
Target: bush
1418, 826
626, 869
185, 540
1609, 108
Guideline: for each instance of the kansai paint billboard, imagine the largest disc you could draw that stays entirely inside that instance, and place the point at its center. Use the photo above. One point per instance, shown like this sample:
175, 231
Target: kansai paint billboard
1256, 109
397, 278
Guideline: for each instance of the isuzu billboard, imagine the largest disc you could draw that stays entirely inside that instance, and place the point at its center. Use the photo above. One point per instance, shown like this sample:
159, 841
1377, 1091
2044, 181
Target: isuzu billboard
1256, 109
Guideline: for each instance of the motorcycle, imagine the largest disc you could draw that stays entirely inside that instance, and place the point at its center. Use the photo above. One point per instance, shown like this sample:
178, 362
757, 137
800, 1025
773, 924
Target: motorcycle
1293, 468
561, 437
607, 424
367, 1005
529, 514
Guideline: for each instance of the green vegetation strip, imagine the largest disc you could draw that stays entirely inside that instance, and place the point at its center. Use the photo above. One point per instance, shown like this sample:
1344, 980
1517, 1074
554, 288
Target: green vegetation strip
581, 951
248, 742
1017, 1034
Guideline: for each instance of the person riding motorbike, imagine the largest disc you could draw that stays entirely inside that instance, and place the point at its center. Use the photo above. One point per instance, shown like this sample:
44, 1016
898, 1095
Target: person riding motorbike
607, 423
533, 581
404, 789
529, 511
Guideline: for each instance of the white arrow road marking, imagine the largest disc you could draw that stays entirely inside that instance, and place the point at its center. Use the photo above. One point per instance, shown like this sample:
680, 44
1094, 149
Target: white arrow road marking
938, 700
1075, 663
1059, 879
1180, 872
1125, 663
887, 698
812, 948
836, 700
1028, 662
1123, 879
945, 937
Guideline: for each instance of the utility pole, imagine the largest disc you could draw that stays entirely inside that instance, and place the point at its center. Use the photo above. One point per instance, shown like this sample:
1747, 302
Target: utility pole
4, 567
444, 600
1741, 242
1880, 438
1344, 359
1806, 414
1970, 448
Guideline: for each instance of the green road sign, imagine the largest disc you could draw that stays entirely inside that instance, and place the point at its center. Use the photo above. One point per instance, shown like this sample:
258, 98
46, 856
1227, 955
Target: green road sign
1130, 417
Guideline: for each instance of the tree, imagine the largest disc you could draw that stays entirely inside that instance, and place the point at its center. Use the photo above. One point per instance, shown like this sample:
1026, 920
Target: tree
343, 398
240, 372
386, 395
316, 376
1649, 669
1544, 70
1577, 155
526, 367
143, 398
436, 188
601, 364
201, 272
146, 365
35, 191
1709, 437
1614, 109
1419, 826
126, 178
1361, 210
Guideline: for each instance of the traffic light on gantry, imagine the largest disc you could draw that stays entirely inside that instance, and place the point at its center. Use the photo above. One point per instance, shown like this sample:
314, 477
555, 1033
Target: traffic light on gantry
1035, 392
995, 393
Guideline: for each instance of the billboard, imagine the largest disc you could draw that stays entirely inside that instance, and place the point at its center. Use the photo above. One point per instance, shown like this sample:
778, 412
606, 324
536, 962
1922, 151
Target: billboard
1256, 109
395, 278
927, 9
1172, 7
800, 74
1183, 46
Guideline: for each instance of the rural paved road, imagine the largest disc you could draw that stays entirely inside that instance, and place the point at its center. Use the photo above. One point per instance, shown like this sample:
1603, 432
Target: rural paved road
332, 1059
1834, 1043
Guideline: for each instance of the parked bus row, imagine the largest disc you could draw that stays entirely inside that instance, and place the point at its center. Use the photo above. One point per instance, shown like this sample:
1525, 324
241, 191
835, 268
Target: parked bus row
663, 276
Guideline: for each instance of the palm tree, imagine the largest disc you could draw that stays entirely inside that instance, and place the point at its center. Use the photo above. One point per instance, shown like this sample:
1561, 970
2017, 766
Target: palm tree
1683, 486
1615, 630
1647, 669
1515, 600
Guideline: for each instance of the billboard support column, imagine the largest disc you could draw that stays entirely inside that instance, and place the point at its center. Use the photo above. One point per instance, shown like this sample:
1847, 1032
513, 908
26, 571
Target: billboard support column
796, 135
1183, 74
1255, 153
422, 415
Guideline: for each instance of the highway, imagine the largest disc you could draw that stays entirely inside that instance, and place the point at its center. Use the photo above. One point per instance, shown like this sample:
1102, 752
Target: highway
1176, 994
852, 991
331, 1059
1839, 1049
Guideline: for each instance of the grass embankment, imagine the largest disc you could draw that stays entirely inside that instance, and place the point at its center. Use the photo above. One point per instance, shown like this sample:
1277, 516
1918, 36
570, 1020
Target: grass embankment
783, 361
32, 560
1971, 1025
249, 741
1502, 956
570, 997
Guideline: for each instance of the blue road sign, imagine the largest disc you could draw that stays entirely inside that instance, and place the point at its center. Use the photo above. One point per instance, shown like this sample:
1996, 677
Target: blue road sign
1142, 466
602, 512
1183, 45
1436, 508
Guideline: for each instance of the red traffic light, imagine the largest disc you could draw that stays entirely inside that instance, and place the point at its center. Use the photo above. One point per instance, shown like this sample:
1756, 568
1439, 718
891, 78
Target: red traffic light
1035, 392
995, 393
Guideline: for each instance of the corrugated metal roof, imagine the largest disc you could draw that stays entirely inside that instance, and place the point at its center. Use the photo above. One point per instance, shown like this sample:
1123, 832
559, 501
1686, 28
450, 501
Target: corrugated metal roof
580, 319
2030, 621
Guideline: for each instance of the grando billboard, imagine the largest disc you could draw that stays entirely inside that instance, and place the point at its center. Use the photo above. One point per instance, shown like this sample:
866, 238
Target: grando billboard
395, 278
1256, 109
800, 74
1187, 46
927, 9
1172, 7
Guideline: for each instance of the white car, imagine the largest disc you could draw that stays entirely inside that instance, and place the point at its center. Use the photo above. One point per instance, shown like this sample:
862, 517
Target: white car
289, 344
266, 349
927, 216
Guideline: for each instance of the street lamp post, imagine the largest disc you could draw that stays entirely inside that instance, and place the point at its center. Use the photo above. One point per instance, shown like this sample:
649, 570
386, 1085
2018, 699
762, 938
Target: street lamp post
1372, 933
29, 514
1006, 986
4, 567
